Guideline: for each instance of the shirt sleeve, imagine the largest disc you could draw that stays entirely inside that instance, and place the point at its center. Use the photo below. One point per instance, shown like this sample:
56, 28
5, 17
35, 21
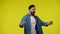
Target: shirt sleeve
22, 21
42, 23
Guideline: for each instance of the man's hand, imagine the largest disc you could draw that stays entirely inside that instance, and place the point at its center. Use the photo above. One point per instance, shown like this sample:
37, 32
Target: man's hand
23, 23
50, 23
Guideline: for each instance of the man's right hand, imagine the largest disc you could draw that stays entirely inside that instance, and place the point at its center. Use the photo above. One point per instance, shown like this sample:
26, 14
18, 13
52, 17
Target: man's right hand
23, 23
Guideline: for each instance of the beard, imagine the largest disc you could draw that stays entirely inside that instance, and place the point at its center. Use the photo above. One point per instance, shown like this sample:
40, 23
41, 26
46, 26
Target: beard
32, 13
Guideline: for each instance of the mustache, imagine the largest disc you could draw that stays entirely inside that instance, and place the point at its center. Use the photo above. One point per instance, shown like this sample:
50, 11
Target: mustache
32, 13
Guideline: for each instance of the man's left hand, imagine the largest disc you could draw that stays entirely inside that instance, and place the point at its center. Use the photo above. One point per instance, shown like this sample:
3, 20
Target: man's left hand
50, 23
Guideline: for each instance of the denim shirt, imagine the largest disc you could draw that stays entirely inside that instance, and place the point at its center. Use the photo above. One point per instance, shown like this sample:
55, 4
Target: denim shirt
27, 27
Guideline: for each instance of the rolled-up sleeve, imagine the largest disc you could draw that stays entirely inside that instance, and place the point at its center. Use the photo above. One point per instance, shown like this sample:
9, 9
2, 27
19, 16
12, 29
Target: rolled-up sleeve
42, 23
22, 21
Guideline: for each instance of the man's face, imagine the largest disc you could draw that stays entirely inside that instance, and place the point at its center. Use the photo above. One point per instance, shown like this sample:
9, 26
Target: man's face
32, 10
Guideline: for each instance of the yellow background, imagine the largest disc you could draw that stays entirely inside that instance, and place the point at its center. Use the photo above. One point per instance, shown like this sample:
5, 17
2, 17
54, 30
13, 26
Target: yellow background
12, 11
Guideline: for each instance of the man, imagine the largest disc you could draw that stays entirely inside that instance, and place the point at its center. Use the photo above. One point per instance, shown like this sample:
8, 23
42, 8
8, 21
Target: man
32, 23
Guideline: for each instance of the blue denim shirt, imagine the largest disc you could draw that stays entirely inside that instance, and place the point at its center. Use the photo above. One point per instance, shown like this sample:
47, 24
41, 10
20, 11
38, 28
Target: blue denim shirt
27, 27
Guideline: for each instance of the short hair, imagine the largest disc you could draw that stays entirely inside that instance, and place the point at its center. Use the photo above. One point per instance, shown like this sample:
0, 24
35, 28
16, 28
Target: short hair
31, 6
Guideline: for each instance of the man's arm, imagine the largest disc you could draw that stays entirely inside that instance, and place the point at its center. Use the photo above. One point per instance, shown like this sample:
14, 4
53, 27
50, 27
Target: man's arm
45, 23
23, 22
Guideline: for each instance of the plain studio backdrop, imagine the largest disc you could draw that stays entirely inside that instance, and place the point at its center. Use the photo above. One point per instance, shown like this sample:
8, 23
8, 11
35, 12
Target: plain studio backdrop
12, 11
